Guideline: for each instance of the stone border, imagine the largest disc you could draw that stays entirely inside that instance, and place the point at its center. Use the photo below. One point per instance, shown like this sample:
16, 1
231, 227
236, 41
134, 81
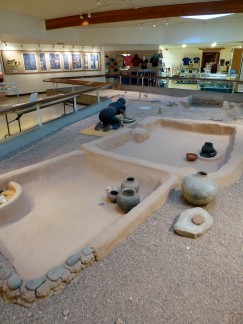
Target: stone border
27, 293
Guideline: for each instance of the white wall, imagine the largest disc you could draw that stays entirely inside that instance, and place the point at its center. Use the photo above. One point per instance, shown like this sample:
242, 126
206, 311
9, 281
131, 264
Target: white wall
23, 27
33, 82
15, 27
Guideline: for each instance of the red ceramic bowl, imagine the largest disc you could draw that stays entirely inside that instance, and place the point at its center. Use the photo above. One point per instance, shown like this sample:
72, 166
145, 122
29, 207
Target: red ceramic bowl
191, 156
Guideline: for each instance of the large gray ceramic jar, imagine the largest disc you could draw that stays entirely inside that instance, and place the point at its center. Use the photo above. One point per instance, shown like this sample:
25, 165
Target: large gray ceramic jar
199, 189
130, 182
127, 198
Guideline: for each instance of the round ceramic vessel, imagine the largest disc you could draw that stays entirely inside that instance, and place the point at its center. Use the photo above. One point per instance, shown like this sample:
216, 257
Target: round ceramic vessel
127, 199
199, 189
208, 150
191, 156
112, 195
130, 182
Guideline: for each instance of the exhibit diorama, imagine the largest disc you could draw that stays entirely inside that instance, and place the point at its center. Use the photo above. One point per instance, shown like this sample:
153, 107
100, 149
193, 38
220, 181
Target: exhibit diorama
121, 153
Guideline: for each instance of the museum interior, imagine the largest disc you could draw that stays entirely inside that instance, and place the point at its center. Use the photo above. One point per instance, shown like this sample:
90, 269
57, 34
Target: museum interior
121, 135
41, 44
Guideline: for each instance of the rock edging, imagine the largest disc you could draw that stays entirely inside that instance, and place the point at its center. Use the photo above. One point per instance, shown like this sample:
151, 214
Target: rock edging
26, 293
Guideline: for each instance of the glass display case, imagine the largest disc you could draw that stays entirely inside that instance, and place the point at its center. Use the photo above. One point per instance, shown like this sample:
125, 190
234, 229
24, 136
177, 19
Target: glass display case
218, 83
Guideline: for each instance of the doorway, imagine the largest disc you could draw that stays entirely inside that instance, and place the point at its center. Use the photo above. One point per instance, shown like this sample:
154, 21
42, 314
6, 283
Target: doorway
208, 57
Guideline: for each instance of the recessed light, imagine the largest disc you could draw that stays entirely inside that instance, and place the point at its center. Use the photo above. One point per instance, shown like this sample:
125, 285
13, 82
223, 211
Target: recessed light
206, 17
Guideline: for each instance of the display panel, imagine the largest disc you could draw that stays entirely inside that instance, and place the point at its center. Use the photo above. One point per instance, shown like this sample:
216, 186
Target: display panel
23, 62
43, 63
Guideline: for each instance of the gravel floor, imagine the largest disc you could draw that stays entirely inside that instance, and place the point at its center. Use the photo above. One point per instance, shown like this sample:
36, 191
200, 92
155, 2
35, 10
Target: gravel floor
154, 276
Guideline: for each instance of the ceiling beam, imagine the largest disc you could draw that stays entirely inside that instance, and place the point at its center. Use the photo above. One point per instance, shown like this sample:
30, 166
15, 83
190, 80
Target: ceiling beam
189, 9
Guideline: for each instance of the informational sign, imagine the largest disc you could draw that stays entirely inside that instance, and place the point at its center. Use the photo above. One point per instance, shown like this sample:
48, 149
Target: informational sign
22, 62
94, 60
30, 62
76, 61
55, 61
43, 65
66, 59
86, 61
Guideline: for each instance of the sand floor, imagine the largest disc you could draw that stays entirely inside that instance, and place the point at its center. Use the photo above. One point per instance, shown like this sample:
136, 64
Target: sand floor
154, 276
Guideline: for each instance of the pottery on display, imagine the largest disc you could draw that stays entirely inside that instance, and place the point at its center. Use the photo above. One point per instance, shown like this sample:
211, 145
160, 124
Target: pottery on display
191, 156
208, 150
127, 199
112, 195
199, 189
130, 182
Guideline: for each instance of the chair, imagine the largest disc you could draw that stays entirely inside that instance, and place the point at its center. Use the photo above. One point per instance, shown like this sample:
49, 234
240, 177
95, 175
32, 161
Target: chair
33, 97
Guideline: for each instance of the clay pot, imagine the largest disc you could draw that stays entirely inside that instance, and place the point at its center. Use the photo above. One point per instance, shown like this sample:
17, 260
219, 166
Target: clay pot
130, 182
191, 156
127, 198
208, 150
199, 189
112, 195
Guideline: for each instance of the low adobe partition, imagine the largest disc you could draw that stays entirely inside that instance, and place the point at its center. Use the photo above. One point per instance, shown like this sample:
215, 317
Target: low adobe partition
162, 143
60, 221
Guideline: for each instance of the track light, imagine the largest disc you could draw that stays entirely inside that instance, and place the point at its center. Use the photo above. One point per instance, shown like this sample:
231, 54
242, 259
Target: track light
5, 44
53, 46
81, 17
141, 26
154, 25
89, 15
167, 23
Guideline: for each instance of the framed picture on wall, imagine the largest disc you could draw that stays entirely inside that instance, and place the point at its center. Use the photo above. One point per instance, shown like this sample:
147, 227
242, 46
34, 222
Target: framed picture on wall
66, 61
12, 62
86, 61
76, 61
55, 61
30, 64
94, 61
43, 64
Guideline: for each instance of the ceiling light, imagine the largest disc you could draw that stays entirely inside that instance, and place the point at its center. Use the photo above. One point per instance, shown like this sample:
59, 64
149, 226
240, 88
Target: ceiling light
206, 17
141, 26
214, 44
89, 15
81, 17
167, 23
154, 25
183, 45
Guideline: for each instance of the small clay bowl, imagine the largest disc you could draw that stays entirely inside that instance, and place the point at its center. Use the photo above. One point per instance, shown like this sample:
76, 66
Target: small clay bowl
112, 195
191, 156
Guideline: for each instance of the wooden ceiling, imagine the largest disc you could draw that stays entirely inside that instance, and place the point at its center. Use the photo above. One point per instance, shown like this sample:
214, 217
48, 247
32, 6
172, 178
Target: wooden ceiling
167, 11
